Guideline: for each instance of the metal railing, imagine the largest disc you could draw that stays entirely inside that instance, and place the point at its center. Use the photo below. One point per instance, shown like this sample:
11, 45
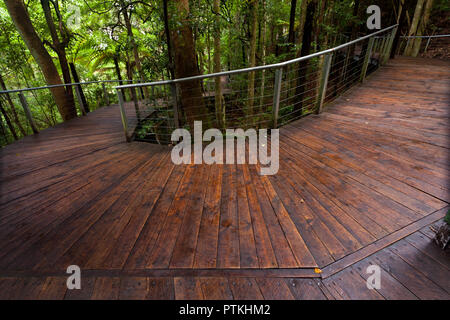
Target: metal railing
257, 97
26, 121
406, 40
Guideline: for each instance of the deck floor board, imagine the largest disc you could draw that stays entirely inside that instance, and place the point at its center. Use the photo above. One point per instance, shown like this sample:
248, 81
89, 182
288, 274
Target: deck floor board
375, 162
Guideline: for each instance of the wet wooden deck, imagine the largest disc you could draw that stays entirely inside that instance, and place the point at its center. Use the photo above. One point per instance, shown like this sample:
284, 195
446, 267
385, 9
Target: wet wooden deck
354, 183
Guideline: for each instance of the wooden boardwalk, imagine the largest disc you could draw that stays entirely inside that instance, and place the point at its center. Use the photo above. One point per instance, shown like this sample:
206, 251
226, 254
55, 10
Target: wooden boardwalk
355, 185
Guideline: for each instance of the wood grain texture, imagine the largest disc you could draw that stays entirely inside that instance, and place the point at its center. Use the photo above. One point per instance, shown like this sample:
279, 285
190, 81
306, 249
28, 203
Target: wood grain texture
355, 185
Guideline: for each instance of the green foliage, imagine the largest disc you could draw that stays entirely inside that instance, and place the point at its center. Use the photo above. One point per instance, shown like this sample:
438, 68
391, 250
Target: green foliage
97, 37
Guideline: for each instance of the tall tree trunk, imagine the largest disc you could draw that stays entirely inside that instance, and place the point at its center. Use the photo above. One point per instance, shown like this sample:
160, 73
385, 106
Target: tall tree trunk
76, 79
117, 68
3, 131
60, 49
414, 26
403, 10
26, 30
301, 25
422, 27
355, 26
133, 93
133, 43
208, 48
12, 106
8, 121
263, 55
171, 66
185, 63
252, 57
318, 23
219, 103
291, 34
303, 65
119, 75
325, 40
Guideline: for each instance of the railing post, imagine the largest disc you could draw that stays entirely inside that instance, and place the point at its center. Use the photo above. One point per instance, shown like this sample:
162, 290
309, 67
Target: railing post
428, 43
324, 81
28, 114
276, 96
123, 115
80, 100
367, 59
383, 50
105, 93
389, 45
173, 91
136, 103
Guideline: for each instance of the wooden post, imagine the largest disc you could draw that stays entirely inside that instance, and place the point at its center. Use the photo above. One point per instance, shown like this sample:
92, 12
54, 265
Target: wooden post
367, 59
105, 93
276, 96
28, 114
80, 101
173, 91
123, 115
324, 81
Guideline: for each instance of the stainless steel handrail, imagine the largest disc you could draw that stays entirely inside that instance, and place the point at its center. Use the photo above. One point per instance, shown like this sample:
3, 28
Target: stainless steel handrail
435, 36
63, 85
251, 69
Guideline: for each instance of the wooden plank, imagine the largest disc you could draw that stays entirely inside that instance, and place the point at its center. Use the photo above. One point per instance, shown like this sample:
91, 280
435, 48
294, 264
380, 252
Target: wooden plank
206, 252
245, 289
390, 288
6, 286
274, 289
54, 288
428, 247
228, 255
31, 288
296, 242
160, 289
347, 163
85, 293
303, 223
380, 244
350, 286
106, 288
410, 277
247, 246
428, 266
103, 234
133, 288
216, 289
162, 250
188, 289
142, 249
283, 252
264, 248
185, 246
305, 289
